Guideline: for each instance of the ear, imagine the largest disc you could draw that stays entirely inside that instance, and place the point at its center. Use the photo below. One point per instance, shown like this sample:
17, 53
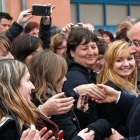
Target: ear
72, 53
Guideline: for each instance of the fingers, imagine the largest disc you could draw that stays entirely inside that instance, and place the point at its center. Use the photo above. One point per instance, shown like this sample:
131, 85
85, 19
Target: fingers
59, 95
65, 100
24, 134
47, 135
52, 138
84, 130
42, 131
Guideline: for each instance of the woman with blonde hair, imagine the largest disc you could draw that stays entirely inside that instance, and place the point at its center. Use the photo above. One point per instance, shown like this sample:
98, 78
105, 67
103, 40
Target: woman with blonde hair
17, 112
120, 72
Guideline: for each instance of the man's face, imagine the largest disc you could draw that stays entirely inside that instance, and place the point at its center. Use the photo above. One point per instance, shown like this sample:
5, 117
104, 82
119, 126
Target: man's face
4, 25
134, 36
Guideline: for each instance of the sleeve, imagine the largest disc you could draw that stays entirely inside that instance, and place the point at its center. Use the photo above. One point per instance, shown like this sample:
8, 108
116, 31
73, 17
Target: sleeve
77, 138
64, 123
14, 31
8, 131
45, 33
132, 138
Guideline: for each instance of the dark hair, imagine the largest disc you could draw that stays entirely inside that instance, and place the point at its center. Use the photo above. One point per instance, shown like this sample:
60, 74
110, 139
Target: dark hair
110, 35
101, 46
76, 36
55, 29
122, 34
30, 26
5, 15
24, 45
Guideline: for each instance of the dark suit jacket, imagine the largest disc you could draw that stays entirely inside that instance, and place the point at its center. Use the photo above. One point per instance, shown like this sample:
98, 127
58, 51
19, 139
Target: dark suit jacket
132, 103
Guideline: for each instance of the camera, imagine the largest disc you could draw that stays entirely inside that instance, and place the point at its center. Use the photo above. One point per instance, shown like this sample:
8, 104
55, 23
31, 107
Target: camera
41, 10
75, 26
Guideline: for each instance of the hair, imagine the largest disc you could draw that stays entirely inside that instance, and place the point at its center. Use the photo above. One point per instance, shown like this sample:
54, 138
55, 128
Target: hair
25, 45
57, 40
55, 29
30, 26
76, 36
122, 34
129, 19
123, 25
101, 46
5, 42
5, 15
46, 69
11, 100
110, 35
118, 48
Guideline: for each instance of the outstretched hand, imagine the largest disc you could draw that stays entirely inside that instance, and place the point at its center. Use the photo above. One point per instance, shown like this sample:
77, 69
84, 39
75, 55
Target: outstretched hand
25, 16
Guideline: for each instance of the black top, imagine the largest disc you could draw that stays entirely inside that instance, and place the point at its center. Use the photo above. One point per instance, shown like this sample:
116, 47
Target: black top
113, 114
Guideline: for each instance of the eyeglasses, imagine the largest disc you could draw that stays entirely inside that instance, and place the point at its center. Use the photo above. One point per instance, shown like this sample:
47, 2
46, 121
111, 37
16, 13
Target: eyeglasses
135, 44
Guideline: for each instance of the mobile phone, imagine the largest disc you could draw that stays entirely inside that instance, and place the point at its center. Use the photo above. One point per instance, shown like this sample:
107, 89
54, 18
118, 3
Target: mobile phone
85, 99
60, 134
41, 10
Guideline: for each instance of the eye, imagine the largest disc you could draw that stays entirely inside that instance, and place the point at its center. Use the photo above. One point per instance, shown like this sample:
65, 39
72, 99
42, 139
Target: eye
130, 58
118, 60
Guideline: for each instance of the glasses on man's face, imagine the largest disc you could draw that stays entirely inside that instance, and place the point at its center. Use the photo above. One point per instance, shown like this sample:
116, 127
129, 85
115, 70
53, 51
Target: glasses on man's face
134, 44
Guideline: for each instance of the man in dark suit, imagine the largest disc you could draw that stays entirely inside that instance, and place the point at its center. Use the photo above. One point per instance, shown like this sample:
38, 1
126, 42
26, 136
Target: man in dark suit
126, 102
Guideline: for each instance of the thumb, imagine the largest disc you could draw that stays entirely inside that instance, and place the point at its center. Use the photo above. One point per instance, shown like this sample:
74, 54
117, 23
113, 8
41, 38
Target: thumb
58, 95
84, 130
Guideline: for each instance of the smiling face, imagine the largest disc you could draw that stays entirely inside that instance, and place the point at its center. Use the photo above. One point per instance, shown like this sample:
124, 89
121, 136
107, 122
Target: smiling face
26, 87
86, 55
124, 66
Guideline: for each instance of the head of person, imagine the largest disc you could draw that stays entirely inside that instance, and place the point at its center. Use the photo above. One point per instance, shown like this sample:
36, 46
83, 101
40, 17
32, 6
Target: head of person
32, 28
5, 22
128, 19
82, 48
5, 48
108, 37
100, 60
47, 70
122, 34
15, 90
134, 37
25, 46
55, 29
119, 66
59, 44
90, 26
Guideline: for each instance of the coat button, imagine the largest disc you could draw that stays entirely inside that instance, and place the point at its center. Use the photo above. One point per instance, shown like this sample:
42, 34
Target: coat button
74, 119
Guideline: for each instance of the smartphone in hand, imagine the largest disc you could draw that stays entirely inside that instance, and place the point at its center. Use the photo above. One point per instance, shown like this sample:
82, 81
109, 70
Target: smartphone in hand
41, 10
85, 99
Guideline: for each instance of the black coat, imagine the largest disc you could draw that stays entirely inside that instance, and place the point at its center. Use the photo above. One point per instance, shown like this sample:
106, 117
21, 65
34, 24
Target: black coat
79, 75
132, 103
69, 123
113, 114
44, 32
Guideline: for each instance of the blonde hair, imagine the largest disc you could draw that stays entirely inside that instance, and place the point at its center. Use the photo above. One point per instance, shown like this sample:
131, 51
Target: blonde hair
11, 100
116, 49
46, 69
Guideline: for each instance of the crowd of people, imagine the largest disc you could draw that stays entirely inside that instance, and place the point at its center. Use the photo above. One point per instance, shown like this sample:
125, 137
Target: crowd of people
69, 83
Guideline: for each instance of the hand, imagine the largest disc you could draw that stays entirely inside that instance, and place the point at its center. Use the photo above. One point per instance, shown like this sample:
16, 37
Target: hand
92, 90
67, 28
116, 136
24, 16
112, 94
33, 134
80, 105
57, 105
46, 19
86, 135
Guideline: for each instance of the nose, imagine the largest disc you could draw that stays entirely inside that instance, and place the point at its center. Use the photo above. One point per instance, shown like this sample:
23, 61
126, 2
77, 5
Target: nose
33, 87
7, 28
125, 63
65, 79
36, 35
90, 51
